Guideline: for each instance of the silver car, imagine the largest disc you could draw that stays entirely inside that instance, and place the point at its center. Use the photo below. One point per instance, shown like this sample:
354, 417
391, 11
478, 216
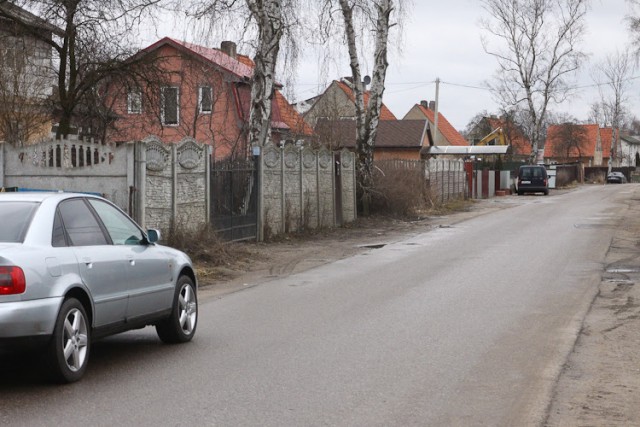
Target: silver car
74, 268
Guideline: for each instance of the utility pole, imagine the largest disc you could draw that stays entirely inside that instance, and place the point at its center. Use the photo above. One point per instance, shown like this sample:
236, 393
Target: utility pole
435, 121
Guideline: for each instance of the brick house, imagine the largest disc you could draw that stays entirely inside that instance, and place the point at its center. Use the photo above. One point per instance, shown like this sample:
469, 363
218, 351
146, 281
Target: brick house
205, 93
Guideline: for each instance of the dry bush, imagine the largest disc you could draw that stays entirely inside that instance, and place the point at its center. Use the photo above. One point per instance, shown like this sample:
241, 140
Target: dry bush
203, 245
400, 192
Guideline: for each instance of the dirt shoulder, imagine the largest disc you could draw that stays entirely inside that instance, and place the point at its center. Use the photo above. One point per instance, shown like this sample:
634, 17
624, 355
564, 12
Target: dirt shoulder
600, 383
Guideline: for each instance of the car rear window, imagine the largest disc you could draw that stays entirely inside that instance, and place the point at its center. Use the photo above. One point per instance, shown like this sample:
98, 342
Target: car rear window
532, 172
15, 218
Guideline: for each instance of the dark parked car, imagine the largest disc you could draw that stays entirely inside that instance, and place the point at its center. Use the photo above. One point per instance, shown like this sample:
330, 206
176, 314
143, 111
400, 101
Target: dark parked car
533, 179
616, 178
74, 268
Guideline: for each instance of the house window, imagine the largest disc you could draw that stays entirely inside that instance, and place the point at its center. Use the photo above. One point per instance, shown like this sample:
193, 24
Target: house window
134, 102
170, 106
205, 100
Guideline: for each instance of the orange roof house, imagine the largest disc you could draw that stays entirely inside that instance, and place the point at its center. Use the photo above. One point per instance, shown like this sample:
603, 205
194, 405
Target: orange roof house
588, 144
337, 102
447, 134
205, 93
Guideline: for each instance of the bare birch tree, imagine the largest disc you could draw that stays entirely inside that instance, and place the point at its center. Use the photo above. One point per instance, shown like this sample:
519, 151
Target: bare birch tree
358, 18
537, 53
613, 79
268, 15
265, 25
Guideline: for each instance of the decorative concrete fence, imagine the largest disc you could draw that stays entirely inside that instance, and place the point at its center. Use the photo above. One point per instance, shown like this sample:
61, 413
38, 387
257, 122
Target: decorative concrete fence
157, 184
166, 185
303, 188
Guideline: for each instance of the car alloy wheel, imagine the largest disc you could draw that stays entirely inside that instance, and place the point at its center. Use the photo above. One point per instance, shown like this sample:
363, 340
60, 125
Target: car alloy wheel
188, 309
68, 352
181, 325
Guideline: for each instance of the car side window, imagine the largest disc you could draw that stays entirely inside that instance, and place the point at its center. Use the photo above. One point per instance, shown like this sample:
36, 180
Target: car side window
58, 239
82, 227
122, 230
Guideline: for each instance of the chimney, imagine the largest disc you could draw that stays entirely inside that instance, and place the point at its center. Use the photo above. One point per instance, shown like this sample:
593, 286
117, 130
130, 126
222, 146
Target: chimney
229, 48
432, 105
424, 103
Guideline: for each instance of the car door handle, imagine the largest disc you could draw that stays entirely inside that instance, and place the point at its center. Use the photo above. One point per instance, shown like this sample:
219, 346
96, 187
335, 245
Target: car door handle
131, 260
87, 262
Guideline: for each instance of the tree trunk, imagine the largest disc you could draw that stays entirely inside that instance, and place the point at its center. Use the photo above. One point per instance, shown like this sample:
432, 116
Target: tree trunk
268, 15
367, 119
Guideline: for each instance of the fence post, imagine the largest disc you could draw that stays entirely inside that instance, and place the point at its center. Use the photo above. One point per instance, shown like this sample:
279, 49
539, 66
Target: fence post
141, 178
259, 159
174, 186
2, 145
282, 193
301, 170
207, 183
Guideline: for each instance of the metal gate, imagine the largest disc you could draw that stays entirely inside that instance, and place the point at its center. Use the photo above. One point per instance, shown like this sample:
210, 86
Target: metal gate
234, 199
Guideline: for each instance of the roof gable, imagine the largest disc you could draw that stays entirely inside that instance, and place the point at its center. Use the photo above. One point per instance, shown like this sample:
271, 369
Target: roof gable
212, 56
385, 113
291, 117
452, 136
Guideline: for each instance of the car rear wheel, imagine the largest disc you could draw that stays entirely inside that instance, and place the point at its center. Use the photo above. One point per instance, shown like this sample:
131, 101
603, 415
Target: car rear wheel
68, 352
180, 326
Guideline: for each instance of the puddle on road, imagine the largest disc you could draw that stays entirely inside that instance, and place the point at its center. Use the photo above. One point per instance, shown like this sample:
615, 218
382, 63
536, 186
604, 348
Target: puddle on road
373, 246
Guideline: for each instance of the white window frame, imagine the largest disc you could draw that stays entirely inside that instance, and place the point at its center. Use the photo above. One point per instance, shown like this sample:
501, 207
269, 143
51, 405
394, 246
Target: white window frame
134, 102
163, 99
201, 90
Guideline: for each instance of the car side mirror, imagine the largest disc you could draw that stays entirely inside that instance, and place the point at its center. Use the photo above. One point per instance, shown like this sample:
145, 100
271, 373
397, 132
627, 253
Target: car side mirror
153, 235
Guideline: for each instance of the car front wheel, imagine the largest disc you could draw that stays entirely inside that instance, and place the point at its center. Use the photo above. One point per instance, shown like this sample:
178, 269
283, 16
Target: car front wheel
180, 326
68, 352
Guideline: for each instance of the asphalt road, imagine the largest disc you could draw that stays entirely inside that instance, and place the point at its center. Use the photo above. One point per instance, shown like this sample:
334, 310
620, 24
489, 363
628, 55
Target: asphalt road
463, 325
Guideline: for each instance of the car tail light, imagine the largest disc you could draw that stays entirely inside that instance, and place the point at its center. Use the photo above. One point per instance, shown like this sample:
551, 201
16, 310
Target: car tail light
12, 281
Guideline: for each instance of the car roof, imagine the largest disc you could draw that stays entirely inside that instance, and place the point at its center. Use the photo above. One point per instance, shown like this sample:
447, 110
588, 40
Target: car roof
38, 196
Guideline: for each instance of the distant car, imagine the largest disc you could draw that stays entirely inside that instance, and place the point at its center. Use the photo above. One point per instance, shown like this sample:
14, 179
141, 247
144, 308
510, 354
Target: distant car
616, 178
74, 268
532, 179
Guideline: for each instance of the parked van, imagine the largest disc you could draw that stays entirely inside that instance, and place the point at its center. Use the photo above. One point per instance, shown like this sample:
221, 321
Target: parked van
533, 179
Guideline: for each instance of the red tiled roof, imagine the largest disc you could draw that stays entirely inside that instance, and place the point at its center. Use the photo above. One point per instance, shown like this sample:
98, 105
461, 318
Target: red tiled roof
605, 138
214, 56
291, 117
385, 113
244, 101
519, 143
447, 130
553, 142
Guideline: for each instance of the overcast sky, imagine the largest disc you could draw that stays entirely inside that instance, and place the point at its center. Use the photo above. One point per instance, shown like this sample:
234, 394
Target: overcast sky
443, 40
